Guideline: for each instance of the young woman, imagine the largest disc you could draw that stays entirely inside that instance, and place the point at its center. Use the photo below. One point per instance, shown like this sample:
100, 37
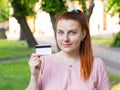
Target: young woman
74, 67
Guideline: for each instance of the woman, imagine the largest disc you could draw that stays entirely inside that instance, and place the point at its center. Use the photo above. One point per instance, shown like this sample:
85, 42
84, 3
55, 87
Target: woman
74, 67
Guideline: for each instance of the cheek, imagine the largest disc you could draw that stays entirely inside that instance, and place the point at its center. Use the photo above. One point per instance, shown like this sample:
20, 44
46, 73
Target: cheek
76, 39
58, 39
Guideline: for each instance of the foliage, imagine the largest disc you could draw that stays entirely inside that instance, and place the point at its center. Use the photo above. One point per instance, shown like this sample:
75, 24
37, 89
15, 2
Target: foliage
12, 49
23, 8
4, 10
113, 6
55, 6
116, 42
83, 2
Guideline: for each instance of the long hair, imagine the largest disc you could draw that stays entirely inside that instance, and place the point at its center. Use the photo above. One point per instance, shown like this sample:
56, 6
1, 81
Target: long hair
86, 54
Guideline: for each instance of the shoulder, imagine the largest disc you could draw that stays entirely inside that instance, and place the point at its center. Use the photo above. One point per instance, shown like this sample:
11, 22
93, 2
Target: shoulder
100, 74
99, 67
98, 62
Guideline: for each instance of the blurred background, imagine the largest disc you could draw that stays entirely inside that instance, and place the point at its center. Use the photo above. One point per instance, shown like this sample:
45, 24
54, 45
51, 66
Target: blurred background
26, 23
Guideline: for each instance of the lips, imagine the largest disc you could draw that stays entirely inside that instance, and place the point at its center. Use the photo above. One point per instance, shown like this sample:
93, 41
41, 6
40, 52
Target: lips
66, 45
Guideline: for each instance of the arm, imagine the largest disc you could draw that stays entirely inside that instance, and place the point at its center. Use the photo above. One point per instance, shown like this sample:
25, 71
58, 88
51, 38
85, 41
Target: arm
103, 80
33, 85
34, 64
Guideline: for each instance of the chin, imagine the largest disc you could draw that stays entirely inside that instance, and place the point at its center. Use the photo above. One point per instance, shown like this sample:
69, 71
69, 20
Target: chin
66, 50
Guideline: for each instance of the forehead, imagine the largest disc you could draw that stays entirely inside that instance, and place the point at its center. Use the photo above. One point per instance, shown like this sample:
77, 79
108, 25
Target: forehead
67, 24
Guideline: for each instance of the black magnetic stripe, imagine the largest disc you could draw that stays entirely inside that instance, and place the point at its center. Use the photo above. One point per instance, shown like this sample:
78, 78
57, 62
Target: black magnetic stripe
44, 46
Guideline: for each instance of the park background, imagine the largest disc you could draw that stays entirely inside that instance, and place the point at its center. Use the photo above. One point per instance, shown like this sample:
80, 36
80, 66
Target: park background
17, 40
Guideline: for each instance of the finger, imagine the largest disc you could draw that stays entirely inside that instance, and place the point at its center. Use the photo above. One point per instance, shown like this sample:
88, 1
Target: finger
33, 55
37, 64
37, 67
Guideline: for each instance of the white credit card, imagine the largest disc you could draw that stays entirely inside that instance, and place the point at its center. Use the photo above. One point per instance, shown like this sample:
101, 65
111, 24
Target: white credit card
43, 49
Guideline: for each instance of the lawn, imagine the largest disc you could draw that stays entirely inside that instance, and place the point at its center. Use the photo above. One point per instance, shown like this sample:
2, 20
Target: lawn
103, 40
14, 75
114, 81
12, 49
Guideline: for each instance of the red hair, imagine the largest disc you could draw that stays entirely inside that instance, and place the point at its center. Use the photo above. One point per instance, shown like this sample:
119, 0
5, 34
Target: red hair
86, 54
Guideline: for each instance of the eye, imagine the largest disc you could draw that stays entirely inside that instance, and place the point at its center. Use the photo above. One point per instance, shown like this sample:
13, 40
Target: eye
72, 33
60, 33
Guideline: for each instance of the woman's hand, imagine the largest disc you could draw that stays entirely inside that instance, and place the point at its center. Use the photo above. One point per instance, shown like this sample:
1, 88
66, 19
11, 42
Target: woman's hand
34, 64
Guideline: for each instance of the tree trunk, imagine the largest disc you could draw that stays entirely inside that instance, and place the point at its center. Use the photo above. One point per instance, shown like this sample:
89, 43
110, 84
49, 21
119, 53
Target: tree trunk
22, 36
90, 9
88, 12
27, 33
52, 17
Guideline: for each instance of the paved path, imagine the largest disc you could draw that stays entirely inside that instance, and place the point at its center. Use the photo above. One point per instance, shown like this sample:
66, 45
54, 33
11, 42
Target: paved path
111, 57
14, 59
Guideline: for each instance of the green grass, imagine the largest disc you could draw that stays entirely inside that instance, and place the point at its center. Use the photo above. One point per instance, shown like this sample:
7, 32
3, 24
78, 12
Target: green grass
14, 75
114, 81
103, 40
12, 49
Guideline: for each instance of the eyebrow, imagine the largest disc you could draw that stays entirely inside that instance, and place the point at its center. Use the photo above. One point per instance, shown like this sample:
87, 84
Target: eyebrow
70, 29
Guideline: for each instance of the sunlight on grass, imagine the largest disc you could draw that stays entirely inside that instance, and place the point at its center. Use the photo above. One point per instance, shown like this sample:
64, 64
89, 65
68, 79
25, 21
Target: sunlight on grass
103, 40
116, 87
11, 49
114, 81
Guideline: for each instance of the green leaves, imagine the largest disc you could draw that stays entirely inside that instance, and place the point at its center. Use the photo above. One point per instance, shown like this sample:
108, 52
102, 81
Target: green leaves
113, 6
54, 6
4, 10
23, 8
116, 42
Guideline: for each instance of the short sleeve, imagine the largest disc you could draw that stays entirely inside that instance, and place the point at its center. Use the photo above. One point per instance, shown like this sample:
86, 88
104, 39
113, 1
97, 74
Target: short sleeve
103, 80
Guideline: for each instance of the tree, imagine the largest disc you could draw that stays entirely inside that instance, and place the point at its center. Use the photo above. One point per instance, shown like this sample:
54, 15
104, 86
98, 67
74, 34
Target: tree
4, 10
87, 11
23, 8
113, 6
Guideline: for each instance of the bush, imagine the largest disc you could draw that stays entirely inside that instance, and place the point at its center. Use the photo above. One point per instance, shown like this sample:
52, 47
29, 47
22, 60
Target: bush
116, 42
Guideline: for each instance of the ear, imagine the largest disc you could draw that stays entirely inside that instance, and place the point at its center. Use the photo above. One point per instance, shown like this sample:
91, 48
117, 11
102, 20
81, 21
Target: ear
84, 34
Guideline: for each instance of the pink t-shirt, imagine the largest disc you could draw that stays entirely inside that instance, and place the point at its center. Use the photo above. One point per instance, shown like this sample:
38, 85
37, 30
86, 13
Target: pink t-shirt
55, 75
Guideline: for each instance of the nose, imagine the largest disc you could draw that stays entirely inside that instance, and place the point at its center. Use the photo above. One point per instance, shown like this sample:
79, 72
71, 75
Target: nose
66, 38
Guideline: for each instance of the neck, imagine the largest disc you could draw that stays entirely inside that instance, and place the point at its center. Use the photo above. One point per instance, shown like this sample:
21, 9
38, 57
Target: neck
70, 57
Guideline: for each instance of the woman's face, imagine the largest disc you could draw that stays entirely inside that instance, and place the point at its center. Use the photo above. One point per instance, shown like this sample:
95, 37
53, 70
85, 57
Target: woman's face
69, 35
